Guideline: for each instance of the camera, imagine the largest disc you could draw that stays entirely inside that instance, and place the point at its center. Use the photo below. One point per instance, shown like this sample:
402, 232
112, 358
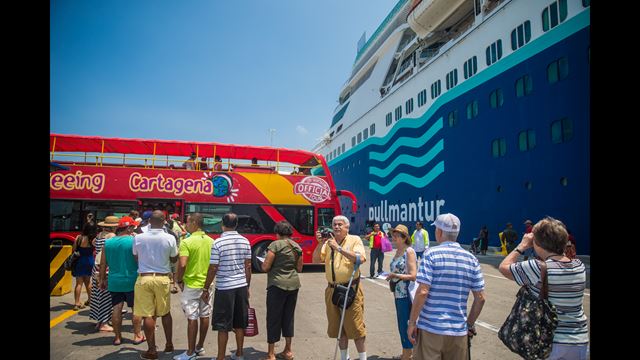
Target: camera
326, 233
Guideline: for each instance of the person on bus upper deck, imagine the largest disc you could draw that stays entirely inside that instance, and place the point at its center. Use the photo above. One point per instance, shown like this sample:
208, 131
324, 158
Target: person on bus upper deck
217, 163
339, 253
254, 162
190, 164
203, 164
230, 265
154, 250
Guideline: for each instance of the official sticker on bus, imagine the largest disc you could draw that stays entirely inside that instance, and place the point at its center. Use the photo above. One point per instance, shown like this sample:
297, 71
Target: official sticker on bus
313, 189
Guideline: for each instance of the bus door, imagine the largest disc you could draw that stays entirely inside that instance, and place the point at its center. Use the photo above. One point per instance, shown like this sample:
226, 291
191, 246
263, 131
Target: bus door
170, 206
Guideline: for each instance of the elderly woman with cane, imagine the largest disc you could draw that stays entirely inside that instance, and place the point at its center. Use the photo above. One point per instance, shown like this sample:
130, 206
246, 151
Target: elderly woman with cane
340, 253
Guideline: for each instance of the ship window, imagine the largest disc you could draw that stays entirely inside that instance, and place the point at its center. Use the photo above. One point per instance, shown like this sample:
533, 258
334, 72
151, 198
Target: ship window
408, 106
527, 140
561, 131
498, 147
558, 70
521, 35
499, 188
353, 141
359, 138
496, 98
339, 128
365, 134
335, 153
398, 113
470, 67
422, 97
453, 118
435, 89
452, 79
472, 109
586, 3
564, 181
343, 147
528, 185
388, 119
372, 129
524, 86
554, 14
494, 52
331, 135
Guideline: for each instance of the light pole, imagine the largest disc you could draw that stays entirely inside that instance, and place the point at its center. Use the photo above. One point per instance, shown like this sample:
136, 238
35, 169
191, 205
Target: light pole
272, 131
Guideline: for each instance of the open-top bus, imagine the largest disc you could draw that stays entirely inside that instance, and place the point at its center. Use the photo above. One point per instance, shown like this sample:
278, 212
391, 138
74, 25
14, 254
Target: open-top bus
262, 185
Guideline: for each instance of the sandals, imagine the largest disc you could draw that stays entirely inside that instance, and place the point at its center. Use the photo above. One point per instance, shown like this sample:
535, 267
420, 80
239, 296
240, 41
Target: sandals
78, 307
140, 341
283, 356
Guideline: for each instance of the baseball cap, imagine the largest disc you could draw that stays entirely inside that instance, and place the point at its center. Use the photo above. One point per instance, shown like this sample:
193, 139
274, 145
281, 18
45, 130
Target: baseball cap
447, 222
528, 221
174, 216
127, 221
147, 215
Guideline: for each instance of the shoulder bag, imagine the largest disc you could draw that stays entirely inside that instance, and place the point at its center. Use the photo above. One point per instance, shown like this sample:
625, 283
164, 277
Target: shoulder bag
528, 330
340, 291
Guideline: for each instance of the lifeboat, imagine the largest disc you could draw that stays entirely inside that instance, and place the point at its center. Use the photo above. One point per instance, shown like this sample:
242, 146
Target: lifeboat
427, 17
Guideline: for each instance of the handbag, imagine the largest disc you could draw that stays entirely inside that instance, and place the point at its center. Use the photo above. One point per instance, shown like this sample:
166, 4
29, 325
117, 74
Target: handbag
385, 244
71, 261
339, 291
528, 330
252, 325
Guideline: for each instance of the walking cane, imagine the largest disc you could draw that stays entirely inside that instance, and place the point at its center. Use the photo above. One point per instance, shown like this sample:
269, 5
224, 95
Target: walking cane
344, 304
469, 343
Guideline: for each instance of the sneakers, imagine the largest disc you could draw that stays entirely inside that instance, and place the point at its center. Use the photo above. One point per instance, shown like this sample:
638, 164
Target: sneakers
184, 356
199, 351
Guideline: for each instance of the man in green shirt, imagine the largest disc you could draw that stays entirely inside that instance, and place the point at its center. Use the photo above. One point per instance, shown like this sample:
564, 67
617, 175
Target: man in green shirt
193, 265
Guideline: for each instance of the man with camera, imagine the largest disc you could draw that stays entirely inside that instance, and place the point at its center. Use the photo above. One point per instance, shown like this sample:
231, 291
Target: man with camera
339, 251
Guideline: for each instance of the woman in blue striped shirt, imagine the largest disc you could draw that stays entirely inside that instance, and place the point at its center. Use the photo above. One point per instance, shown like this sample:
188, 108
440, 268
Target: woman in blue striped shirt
566, 279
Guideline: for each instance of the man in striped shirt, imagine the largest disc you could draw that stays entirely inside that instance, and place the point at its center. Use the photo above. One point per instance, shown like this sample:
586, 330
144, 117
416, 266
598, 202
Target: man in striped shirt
230, 264
445, 276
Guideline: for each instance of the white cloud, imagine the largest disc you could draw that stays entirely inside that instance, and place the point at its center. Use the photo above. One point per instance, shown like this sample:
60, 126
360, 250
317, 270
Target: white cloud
302, 130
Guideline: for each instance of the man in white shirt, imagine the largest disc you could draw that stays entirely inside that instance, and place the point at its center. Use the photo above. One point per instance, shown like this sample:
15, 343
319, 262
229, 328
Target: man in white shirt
154, 250
420, 240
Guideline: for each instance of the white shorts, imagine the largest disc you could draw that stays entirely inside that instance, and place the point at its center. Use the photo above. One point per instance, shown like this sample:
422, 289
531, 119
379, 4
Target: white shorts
192, 304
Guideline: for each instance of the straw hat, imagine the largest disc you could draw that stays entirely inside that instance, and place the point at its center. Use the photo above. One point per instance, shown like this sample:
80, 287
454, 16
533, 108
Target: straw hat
109, 221
401, 229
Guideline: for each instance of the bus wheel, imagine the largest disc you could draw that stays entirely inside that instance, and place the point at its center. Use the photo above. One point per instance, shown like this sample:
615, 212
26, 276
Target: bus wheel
260, 250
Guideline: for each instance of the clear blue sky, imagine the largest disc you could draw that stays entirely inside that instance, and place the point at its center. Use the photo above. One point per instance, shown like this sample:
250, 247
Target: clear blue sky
223, 71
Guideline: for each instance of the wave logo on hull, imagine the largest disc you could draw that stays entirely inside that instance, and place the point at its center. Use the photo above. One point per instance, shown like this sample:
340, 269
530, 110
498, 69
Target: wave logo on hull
394, 168
313, 189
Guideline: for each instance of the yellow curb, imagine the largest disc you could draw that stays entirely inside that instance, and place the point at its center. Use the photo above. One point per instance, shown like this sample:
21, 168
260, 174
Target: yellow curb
61, 318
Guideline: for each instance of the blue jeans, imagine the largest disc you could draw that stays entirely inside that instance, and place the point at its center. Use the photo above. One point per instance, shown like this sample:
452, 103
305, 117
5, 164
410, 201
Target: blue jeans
403, 310
376, 254
419, 254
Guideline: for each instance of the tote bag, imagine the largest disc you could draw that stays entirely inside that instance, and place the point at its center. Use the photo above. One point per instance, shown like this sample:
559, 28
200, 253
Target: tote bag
386, 244
252, 327
528, 330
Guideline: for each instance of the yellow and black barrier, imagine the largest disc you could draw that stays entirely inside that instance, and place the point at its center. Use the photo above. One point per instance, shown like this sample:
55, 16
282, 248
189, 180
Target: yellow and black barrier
60, 280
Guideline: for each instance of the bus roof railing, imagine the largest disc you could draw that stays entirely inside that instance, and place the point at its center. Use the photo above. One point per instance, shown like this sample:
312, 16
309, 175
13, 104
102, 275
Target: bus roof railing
159, 149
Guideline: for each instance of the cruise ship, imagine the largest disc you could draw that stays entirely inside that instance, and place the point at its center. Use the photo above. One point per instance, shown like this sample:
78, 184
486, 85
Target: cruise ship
480, 108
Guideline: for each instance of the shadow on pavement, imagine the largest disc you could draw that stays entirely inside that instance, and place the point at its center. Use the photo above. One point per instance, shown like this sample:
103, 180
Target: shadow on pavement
315, 268
128, 353
62, 306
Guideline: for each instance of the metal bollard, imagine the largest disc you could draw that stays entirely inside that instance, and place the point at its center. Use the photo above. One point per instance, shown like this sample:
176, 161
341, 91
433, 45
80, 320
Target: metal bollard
60, 281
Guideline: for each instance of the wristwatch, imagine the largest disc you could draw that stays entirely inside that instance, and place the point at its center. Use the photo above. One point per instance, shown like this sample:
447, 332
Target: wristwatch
518, 250
340, 249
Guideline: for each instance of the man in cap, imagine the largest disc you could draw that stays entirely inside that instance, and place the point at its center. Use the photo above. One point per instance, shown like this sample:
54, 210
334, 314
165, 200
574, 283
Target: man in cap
154, 250
144, 224
446, 271
117, 254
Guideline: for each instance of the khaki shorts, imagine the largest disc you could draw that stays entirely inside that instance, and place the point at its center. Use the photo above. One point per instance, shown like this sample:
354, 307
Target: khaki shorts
151, 296
192, 304
353, 325
433, 346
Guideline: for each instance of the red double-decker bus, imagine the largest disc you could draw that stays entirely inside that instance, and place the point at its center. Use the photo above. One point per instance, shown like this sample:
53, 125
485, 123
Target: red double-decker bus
262, 185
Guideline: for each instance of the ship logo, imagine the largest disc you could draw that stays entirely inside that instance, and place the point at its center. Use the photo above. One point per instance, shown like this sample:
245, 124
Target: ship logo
394, 169
313, 189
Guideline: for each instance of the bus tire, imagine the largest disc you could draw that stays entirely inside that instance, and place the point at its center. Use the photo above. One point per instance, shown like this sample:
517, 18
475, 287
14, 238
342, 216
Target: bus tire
259, 249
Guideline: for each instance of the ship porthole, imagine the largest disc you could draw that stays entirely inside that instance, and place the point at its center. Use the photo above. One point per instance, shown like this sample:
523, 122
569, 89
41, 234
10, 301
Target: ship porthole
528, 185
564, 181
499, 188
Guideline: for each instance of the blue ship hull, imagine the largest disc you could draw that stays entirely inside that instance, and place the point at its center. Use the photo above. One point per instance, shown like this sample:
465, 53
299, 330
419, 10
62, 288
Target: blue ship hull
430, 167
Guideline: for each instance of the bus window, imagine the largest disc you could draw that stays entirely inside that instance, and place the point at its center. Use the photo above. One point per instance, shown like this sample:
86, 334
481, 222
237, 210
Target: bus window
252, 219
300, 217
325, 216
212, 213
102, 209
65, 215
